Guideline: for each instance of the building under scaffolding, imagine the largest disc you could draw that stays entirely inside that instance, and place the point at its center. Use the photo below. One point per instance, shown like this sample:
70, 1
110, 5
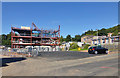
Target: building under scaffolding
26, 36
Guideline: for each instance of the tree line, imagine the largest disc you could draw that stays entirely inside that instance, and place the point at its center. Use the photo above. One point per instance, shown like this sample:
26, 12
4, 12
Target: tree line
101, 32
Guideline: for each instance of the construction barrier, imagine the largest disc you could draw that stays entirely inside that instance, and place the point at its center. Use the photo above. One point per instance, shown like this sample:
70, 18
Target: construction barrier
29, 51
15, 54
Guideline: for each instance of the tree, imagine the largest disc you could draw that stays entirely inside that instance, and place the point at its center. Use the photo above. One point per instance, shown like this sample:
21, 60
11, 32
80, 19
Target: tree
68, 38
77, 38
6, 39
73, 39
74, 46
61, 39
102, 32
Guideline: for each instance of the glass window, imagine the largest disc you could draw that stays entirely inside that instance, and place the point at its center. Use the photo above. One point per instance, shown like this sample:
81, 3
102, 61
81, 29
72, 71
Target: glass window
103, 41
90, 48
117, 38
98, 40
84, 39
93, 42
112, 40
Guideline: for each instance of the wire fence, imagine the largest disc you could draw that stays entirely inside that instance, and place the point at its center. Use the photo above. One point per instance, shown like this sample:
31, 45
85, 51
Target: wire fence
15, 53
28, 52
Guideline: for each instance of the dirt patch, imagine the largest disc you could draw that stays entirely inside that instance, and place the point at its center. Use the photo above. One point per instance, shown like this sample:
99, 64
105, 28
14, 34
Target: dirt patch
84, 51
2, 56
113, 52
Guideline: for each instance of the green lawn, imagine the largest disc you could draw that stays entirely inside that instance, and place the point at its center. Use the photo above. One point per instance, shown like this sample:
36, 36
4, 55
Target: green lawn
74, 50
84, 49
77, 49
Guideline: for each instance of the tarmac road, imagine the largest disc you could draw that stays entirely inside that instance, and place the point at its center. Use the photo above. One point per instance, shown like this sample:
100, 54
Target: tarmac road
64, 65
65, 55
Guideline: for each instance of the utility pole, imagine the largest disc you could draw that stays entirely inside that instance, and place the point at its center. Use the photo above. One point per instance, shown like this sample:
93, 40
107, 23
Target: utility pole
41, 34
97, 36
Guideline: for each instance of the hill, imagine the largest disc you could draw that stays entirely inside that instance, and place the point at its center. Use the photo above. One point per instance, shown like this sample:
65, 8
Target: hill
104, 31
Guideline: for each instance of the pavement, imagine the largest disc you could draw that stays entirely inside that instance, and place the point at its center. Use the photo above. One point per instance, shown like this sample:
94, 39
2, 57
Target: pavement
64, 64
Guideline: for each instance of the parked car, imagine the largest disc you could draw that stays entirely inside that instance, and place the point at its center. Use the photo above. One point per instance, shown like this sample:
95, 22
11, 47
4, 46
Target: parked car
97, 50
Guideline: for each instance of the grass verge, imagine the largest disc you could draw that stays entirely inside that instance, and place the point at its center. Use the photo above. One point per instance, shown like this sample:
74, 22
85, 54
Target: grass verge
77, 49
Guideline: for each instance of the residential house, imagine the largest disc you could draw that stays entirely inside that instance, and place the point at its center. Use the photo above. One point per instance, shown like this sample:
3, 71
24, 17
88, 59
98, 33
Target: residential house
109, 39
94, 40
87, 39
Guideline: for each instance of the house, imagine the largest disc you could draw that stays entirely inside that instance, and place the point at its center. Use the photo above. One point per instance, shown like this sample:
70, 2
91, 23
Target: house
109, 39
87, 39
94, 40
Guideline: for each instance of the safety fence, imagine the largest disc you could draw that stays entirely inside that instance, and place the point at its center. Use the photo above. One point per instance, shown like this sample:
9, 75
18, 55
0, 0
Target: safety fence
18, 53
28, 51
15, 54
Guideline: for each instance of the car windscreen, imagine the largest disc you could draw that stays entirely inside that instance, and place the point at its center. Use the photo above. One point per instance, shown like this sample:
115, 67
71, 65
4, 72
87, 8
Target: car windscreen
94, 47
90, 48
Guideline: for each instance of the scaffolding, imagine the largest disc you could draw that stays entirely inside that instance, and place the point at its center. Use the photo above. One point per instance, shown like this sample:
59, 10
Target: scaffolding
22, 37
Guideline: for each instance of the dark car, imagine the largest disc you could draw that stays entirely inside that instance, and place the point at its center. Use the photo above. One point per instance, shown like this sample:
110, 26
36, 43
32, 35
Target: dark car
97, 50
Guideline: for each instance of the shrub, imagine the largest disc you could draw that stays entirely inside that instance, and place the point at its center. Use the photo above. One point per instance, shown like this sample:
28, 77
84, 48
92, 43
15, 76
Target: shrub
73, 46
86, 46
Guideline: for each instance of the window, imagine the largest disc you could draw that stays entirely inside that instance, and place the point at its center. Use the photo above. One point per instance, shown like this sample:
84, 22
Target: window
93, 42
110, 35
103, 41
90, 48
117, 38
112, 40
99, 41
107, 40
84, 39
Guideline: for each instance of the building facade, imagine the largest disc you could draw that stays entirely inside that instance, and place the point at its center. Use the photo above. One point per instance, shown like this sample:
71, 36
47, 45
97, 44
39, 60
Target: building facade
102, 40
87, 39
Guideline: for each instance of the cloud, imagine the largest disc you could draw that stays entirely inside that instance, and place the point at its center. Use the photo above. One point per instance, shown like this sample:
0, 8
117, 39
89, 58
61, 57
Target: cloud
115, 24
84, 31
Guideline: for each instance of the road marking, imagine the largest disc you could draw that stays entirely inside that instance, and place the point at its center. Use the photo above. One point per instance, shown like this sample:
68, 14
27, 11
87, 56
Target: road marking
107, 67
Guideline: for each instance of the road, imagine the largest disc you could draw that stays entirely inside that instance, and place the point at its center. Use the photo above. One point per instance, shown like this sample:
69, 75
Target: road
64, 64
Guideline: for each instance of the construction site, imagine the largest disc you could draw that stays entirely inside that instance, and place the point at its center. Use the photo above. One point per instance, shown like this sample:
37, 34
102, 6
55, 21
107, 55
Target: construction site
26, 36
32, 40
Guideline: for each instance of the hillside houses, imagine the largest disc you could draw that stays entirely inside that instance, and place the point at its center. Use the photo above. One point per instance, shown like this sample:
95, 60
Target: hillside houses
102, 40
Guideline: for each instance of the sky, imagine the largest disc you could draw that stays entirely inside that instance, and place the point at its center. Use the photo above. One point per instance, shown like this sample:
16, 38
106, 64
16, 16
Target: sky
74, 18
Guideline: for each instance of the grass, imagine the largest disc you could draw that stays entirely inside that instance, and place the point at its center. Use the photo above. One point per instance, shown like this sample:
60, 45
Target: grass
113, 49
84, 49
74, 50
77, 49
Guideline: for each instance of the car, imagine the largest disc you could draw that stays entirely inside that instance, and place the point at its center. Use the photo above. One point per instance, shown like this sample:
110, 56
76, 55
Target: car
97, 50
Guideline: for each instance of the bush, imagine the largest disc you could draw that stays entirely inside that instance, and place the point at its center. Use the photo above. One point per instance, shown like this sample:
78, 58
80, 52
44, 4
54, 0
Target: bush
73, 46
86, 46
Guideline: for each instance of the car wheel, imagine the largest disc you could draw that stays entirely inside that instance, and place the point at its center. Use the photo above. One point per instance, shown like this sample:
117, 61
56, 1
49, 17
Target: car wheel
89, 52
106, 52
96, 52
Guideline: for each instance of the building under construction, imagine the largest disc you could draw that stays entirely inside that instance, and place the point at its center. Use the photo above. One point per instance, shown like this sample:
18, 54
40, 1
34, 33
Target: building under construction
26, 36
